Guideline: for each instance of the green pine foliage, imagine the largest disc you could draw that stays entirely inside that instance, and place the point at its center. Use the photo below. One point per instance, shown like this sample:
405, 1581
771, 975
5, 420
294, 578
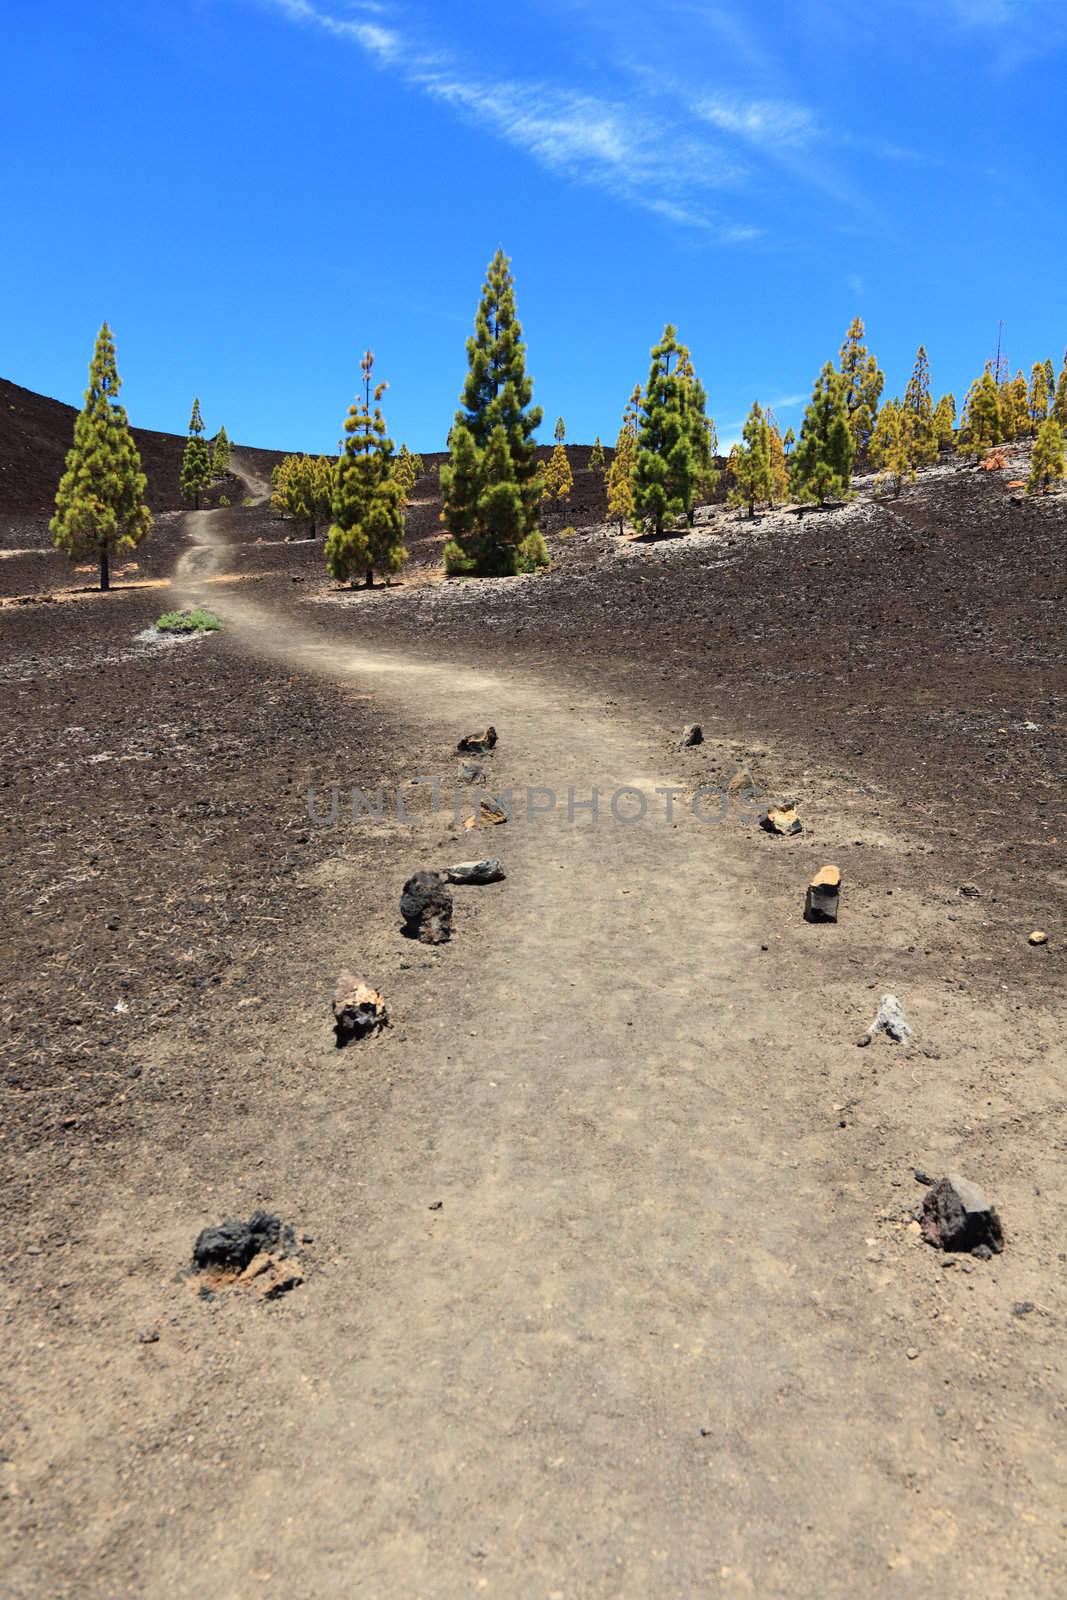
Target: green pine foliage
308, 490
753, 482
917, 414
220, 458
491, 487
705, 440
671, 447
406, 469
100, 502
368, 507
864, 382
945, 422
597, 461
1038, 396
982, 425
1049, 463
779, 464
893, 447
558, 479
621, 472
1059, 403
559, 433
821, 464
196, 462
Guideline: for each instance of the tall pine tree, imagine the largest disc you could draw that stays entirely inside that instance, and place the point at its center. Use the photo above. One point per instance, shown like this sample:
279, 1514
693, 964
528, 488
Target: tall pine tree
1038, 395
917, 414
864, 382
368, 507
945, 422
491, 487
821, 464
982, 425
752, 475
100, 504
196, 462
667, 460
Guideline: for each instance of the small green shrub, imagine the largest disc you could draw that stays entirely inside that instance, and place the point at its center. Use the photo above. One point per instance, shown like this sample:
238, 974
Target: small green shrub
569, 533
224, 499
457, 562
247, 501
532, 553
198, 621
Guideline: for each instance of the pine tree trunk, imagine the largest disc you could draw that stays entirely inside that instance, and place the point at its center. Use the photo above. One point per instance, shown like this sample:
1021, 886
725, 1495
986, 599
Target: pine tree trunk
105, 575
370, 577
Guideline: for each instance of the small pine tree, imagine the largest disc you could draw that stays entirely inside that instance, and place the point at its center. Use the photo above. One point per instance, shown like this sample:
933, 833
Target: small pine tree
895, 447
620, 475
864, 382
406, 472
1059, 403
789, 441
278, 478
196, 462
752, 476
703, 437
821, 465
779, 465
596, 457
100, 502
945, 422
982, 425
558, 479
1049, 463
666, 463
1037, 396
368, 511
560, 431
220, 457
1050, 378
917, 414
1015, 407
886, 434
491, 488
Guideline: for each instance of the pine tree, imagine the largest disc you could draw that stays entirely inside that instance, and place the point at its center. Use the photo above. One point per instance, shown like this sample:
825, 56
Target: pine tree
982, 425
895, 447
1059, 403
368, 510
196, 462
491, 487
560, 430
1015, 407
100, 502
220, 458
864, 383
666, 463
779, 465
406, 470
752, 478
1050, 379
945, 422
1049, 463
789, 442
278, 479
620, 475
821, 465
596, 457
1037, 396
917, 414
703, 437
558, 479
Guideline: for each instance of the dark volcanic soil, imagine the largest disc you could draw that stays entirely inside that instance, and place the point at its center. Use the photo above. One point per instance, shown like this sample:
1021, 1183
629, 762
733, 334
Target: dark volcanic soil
613, 1288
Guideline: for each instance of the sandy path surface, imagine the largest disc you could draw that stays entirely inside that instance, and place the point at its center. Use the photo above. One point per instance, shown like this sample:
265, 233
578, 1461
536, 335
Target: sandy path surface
645, 1346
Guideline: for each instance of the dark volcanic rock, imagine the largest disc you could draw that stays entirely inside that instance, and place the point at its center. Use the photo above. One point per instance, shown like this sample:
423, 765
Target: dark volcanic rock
824, 892
233, 1244
692, 733
478, 743
426, 907
487, 871
957, 1216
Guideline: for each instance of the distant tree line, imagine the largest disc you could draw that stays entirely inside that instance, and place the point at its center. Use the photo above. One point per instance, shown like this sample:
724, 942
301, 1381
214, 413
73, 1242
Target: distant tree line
665, 462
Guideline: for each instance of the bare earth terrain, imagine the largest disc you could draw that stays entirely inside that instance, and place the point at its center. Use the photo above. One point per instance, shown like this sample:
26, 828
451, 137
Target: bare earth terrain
612, 1284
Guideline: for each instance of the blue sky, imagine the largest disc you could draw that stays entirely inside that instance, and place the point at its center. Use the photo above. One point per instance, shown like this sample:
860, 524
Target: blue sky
254, 191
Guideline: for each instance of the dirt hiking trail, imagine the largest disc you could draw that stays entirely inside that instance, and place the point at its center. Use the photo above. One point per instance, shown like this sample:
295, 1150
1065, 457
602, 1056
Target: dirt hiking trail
643, 1347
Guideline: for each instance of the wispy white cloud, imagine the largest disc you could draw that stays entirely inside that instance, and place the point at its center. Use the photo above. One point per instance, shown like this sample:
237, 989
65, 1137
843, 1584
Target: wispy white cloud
762, 122
647, 160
